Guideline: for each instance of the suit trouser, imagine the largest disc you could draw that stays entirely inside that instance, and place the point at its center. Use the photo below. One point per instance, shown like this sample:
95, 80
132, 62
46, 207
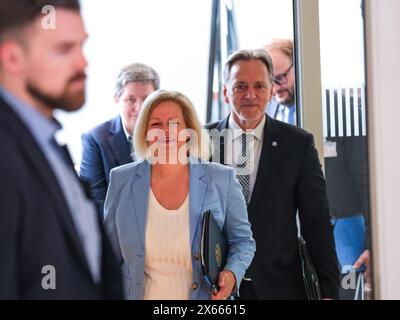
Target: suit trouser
246, 291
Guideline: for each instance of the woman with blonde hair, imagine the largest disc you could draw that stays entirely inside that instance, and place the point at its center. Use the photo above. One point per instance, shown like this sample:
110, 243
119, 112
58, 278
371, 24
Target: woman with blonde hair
154, 207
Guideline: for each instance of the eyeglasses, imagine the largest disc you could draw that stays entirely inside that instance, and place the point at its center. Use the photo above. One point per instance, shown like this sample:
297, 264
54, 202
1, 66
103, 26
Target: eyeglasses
282, 77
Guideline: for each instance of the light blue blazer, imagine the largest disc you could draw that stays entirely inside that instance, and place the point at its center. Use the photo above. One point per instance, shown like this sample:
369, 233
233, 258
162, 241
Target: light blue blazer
212, 187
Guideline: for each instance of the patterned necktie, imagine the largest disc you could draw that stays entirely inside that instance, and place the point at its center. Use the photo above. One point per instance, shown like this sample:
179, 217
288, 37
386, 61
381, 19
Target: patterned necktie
131, 150
243, 166
280, 113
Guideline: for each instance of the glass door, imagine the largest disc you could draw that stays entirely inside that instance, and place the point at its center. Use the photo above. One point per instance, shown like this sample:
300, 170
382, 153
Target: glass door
345, 140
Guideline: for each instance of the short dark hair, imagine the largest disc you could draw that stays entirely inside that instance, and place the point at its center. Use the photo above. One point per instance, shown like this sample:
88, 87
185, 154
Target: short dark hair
17, 14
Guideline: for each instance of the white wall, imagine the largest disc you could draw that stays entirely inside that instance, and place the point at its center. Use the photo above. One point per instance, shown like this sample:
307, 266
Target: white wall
383, 71
342, 43
259, 21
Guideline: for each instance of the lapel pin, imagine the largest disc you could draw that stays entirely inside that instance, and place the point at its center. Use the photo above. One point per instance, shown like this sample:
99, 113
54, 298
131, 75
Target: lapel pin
274, 144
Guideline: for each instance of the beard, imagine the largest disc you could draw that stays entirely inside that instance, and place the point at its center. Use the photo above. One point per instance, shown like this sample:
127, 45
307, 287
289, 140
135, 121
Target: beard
66, 101
287, 100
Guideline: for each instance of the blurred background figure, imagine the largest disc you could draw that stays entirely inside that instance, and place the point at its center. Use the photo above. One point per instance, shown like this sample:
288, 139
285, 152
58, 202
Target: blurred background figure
52, 244
282, 106
109, 144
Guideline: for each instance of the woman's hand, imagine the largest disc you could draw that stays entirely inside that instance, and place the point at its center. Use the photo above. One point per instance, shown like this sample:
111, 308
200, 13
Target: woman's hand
226, 283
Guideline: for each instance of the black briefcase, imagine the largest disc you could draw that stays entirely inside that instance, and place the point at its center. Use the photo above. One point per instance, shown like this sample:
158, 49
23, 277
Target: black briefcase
310, 276
214, 250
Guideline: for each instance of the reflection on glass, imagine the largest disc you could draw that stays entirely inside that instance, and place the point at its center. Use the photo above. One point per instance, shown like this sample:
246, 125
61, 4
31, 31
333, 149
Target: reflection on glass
345, 141
237, 24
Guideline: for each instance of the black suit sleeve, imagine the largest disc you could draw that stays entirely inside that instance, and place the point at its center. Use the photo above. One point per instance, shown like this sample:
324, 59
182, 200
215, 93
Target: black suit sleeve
92, 170
9, 222
112, 280
316, 228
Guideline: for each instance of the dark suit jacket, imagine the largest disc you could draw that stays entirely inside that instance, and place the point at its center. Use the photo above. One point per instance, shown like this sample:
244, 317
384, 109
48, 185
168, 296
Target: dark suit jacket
36, 227
289, 178
104, 148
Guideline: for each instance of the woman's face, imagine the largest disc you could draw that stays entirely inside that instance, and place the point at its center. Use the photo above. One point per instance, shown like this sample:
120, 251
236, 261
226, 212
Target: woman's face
166, 132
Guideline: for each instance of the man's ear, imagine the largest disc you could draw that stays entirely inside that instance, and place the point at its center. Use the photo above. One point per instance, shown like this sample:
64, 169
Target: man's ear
116, 99
12, 57
225, 91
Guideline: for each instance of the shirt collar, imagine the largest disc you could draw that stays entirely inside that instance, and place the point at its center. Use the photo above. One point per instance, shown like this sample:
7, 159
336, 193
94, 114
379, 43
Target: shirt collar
40, 126
258, 132
289, 107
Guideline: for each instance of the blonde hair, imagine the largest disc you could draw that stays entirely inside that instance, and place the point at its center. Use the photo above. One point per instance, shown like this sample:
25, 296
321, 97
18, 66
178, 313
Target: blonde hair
283, 45
198, 143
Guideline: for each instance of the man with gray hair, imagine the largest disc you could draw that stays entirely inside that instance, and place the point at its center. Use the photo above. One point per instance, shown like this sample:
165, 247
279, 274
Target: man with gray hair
109, 144
286, 177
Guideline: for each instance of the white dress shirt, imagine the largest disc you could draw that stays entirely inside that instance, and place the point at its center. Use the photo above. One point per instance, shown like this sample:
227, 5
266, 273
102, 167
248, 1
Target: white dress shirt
286, 114
233, 148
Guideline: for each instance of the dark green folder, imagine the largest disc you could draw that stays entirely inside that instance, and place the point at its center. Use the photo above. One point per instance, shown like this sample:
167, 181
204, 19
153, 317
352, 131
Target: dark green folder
214, 250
